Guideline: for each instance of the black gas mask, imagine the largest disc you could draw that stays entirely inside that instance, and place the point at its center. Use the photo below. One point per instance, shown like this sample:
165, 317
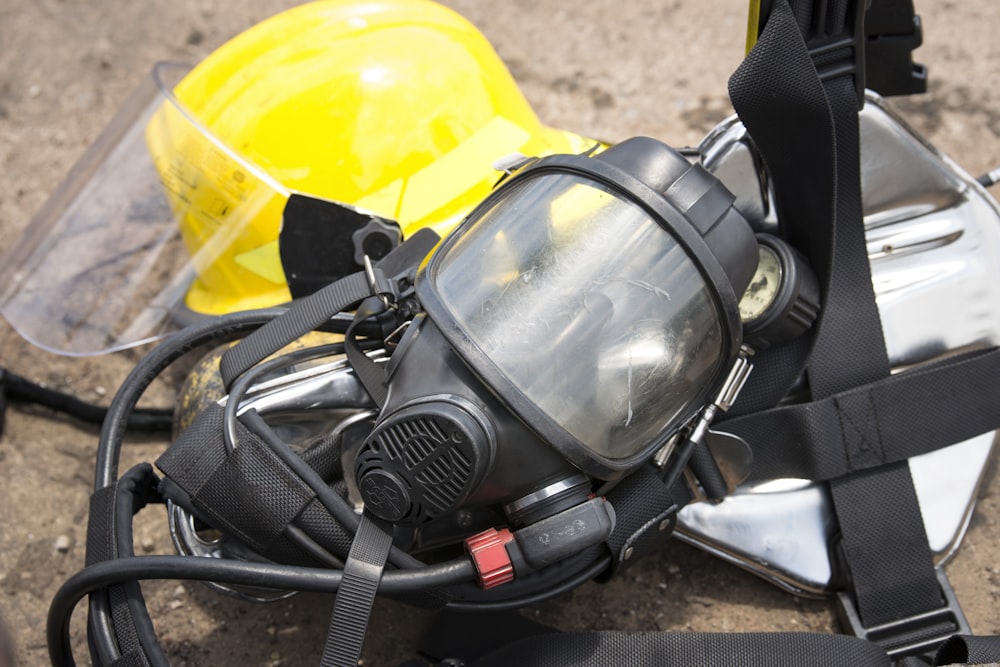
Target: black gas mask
578, 318
583, 318
579, 321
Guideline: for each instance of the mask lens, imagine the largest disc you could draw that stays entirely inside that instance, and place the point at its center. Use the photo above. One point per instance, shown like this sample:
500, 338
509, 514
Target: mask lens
588, 307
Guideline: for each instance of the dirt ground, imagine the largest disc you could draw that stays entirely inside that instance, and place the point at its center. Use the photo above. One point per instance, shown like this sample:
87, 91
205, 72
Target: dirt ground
604, 69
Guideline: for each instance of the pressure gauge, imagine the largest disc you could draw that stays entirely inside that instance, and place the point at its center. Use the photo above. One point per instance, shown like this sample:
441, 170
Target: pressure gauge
782, 300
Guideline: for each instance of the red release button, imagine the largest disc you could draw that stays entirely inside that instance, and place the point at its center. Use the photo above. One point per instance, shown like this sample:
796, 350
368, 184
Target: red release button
490, 557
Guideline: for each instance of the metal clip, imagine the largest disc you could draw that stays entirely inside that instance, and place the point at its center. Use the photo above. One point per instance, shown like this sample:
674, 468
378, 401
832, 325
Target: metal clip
373, 283
737, 378
696, 432
727, 395
920, 634
392, 340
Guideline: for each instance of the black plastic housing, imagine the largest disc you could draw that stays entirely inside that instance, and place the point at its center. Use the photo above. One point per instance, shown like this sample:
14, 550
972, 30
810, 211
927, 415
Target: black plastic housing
506, 459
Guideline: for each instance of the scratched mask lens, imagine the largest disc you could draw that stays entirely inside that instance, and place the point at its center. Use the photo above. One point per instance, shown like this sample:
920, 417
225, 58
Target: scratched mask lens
587, 307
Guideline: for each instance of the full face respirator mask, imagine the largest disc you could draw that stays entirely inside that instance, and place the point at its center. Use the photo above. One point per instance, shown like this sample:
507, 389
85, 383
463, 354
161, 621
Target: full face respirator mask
580, 317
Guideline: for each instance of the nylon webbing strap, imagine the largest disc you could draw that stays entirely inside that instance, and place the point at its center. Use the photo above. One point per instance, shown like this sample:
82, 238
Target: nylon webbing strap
890, 562
311, 312
646, 513
655, 649
792, 78
249, 493
967, 650
102, 544
305, 315
878, 423
371, 375
356, 596
794, 137
123, 611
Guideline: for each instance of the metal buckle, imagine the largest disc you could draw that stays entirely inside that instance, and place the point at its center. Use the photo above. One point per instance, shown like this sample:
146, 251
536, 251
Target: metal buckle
921, 634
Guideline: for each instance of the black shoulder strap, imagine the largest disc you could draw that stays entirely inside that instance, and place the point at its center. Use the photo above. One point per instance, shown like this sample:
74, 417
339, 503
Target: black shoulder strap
109, 536
798, 96
706, 649
654, 649
968, 650
885, 421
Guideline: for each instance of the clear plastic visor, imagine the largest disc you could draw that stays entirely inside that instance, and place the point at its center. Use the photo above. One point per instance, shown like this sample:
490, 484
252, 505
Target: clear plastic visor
103, 265
589, 308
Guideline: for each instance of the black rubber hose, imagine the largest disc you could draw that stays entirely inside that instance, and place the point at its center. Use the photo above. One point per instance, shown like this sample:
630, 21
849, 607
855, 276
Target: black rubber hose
216, 330
332, 502
547, 592
706, 469
139, 568
21, 390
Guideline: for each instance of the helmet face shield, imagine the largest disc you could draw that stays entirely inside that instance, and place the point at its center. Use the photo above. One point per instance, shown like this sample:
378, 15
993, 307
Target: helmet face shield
103, 265
227, 208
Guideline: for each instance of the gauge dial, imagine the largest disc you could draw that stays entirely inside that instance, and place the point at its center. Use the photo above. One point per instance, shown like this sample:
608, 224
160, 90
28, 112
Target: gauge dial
782, 300
763, 288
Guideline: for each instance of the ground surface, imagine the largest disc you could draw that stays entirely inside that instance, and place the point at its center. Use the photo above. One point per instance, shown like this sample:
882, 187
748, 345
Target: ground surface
606, 69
